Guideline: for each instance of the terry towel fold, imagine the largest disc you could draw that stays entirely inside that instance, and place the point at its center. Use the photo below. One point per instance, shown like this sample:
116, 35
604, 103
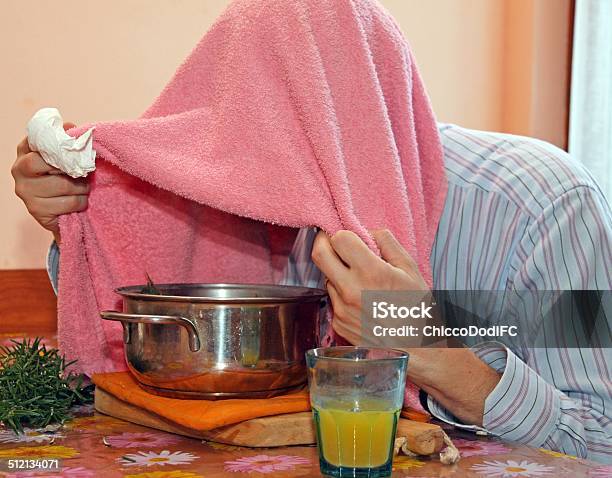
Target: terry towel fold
287, 114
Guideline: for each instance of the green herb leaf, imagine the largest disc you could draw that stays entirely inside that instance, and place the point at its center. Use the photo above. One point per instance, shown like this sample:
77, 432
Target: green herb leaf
150, 288
35, 387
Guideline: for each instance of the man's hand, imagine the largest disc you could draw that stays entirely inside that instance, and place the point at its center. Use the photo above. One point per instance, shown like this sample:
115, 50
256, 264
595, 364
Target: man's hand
455, 377
45, 190
351, 267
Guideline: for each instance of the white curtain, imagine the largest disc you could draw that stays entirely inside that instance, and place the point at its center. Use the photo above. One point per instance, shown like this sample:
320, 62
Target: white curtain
590, 129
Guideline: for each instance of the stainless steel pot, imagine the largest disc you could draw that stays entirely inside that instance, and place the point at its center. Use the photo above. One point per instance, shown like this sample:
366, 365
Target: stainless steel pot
219, 340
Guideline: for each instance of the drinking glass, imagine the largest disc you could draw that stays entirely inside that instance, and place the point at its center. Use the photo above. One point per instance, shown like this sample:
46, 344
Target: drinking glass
356, 395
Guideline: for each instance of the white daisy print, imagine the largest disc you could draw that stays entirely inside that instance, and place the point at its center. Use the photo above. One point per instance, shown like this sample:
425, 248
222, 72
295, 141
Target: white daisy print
151, 458
511, 469
29, 435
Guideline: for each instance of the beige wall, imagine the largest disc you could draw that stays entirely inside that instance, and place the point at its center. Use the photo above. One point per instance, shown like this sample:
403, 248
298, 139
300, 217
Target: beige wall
535, 70
98, 60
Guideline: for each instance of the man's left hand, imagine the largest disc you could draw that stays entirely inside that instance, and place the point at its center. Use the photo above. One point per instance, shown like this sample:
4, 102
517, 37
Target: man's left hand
455, 377
351, 267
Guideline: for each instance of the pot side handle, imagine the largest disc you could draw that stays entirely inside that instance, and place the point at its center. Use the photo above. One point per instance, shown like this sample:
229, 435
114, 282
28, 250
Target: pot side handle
124, 318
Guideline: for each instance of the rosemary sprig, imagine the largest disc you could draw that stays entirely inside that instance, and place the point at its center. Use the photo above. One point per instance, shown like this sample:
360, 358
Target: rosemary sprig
150, 288
35, 387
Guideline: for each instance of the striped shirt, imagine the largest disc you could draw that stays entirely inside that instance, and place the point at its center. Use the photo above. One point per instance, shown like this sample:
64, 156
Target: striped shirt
519, 214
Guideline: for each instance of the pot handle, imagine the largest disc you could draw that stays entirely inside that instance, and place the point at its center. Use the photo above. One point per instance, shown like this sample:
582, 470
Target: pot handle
124, 318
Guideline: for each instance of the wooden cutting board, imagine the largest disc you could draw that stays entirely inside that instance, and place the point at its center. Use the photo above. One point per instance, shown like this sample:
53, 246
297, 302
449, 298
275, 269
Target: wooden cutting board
279, 430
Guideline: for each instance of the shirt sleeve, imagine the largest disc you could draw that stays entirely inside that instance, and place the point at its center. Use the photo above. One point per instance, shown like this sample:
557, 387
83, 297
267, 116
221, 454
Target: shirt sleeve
557, 398
53, 264
300, 270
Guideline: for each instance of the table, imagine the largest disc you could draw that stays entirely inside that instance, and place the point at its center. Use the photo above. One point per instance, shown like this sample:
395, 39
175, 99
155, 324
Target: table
93, 445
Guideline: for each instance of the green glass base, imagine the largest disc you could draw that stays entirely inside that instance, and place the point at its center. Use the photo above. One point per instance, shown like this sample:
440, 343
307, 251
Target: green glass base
327, 469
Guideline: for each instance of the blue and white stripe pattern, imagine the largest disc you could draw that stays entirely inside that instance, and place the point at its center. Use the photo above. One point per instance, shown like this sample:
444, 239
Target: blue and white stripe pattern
53, 265
521, 215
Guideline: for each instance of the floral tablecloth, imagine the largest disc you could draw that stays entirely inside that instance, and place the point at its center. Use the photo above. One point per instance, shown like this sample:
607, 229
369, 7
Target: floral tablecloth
94, 445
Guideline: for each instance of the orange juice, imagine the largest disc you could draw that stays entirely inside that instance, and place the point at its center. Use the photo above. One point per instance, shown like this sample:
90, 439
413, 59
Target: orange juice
355, 439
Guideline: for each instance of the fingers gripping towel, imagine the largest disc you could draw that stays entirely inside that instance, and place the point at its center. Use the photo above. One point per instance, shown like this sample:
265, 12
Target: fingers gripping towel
287, 114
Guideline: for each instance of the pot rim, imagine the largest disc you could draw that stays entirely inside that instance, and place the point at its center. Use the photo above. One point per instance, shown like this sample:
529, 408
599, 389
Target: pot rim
282, 293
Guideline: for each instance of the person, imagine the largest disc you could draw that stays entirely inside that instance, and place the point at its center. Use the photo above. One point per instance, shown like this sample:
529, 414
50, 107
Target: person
519, 214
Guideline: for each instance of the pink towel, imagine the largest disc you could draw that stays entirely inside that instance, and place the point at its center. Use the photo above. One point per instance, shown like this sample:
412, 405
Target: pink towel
287, 114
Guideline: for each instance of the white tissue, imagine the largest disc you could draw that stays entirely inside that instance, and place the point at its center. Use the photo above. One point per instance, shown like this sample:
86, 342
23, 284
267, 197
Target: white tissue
74, 156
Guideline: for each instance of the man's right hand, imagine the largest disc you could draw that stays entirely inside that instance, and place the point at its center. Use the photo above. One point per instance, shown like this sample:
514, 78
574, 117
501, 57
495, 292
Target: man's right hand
45, 190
